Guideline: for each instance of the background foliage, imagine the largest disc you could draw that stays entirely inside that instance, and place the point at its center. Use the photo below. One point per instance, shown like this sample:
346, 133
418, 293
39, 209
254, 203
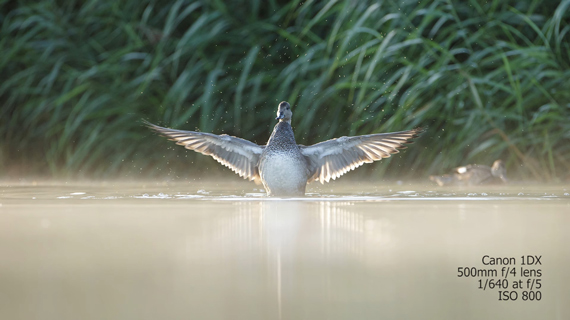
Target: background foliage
491, 80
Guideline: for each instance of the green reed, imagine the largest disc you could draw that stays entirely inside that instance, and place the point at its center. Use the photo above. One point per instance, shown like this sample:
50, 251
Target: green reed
489, 80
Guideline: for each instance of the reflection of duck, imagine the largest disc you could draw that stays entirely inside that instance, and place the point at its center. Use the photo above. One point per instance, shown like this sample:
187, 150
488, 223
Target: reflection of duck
283, 166
473, 174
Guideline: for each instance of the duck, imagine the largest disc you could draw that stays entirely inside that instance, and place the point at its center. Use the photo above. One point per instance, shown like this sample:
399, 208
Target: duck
283, 166
474, 174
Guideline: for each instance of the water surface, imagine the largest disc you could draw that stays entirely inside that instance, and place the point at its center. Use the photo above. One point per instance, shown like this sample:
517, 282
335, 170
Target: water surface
218, 250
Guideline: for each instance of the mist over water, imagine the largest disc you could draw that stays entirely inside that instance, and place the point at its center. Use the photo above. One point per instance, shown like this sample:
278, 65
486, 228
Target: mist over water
209, 250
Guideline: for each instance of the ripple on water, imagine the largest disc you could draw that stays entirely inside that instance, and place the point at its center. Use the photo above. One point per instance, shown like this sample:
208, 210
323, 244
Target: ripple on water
330, 197
386, 194
153, 196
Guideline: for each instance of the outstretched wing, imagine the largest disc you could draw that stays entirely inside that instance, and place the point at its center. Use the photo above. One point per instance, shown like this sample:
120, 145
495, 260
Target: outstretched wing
335, 157
237, 154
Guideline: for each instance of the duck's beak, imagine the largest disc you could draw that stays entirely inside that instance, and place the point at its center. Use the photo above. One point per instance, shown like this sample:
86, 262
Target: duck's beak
280, 116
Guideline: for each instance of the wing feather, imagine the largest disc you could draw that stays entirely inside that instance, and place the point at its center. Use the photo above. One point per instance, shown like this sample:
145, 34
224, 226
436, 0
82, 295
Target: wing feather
240, 155
333, 158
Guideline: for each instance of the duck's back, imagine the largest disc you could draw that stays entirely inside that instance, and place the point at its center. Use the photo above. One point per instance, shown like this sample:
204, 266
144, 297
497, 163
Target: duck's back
282, 167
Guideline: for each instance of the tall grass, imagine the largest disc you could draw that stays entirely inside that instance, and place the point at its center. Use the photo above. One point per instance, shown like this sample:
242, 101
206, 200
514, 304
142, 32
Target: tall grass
490, 80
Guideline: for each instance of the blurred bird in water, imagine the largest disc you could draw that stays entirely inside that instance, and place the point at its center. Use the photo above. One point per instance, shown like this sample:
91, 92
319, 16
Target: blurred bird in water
283, 166
474, 174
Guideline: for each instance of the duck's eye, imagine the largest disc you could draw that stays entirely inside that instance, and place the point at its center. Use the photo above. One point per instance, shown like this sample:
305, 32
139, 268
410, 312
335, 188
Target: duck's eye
288, 108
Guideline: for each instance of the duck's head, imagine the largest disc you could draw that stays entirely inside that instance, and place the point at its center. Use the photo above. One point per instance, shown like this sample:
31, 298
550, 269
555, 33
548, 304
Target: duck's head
498, 170
284, 112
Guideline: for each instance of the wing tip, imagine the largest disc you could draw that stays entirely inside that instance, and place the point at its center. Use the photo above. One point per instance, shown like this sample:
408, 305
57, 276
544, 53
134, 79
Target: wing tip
162, 131
154, 127
147, 123
416, 133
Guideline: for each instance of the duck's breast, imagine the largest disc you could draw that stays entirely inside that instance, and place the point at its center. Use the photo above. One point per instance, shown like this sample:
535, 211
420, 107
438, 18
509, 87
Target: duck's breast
284, 172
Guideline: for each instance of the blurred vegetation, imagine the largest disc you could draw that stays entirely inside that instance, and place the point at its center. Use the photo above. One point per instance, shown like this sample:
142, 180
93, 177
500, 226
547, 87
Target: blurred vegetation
490, 80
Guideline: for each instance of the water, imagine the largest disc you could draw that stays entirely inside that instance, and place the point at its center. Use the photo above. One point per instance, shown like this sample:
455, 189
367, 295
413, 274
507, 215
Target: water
207, 250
